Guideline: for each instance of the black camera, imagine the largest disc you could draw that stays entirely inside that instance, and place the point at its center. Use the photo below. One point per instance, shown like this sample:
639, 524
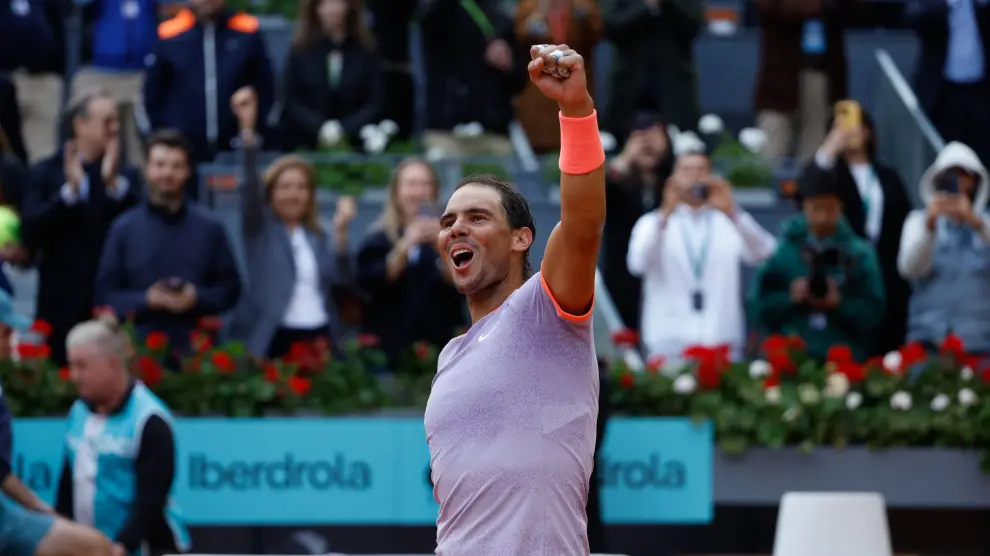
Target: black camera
699, 191
822, 263
947, 183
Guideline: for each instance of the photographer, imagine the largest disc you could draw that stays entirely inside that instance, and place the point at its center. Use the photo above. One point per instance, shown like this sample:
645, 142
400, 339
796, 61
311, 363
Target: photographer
944, 252
688, 252
823, 283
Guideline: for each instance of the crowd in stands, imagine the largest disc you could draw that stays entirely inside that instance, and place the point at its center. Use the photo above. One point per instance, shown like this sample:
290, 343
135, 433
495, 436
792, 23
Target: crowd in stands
106, 187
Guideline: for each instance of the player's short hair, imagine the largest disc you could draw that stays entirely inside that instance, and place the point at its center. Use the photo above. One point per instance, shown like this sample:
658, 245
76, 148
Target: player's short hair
514, 204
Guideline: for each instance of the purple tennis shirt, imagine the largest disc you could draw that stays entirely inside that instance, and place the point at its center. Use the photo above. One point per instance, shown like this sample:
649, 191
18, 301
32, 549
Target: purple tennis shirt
511, 428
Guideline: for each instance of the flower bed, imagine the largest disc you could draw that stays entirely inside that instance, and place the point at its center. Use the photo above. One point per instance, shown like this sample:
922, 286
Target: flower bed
785, 398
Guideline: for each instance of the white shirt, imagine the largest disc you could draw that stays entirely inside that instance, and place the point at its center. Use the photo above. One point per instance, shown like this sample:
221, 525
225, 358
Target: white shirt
307, 306
870, 191
659, 254
117, 192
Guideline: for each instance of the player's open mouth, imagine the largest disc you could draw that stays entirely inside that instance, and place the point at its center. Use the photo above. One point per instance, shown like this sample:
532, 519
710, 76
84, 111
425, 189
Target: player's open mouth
461, 257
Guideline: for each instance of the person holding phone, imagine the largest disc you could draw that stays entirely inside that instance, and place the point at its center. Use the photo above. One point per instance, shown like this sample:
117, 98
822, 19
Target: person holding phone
875, 204
945, 252
411, 295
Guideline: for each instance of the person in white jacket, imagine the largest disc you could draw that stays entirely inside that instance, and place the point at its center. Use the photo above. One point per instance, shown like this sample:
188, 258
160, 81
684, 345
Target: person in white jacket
945, 252
688, 253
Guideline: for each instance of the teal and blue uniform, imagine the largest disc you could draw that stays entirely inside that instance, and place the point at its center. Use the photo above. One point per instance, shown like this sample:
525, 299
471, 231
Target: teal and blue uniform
118, 473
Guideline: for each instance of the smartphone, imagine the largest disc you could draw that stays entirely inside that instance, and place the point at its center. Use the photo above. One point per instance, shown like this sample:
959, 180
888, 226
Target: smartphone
848, 114
699, 191
947, 183
174, 284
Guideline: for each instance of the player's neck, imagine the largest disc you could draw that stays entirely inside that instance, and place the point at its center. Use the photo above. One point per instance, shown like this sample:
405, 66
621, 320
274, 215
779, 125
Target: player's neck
483, 302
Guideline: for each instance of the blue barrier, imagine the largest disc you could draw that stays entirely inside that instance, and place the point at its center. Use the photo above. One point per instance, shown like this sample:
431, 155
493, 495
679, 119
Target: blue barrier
351, 471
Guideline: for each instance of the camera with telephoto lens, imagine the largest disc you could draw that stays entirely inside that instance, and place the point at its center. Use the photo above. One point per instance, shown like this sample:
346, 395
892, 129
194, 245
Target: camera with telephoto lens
822, 263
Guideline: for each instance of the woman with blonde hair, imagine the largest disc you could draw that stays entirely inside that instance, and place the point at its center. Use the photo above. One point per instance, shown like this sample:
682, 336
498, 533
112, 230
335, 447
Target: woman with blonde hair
291, 267
398, 266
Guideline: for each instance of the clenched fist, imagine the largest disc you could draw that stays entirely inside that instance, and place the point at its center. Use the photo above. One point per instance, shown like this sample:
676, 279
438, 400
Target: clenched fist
565, 81
244, 104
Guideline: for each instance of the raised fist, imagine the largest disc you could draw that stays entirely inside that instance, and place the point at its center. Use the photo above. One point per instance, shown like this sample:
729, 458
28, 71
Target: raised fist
244, 104
559, 73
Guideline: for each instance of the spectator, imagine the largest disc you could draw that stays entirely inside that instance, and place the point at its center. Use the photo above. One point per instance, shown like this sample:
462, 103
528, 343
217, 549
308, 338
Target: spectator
291, 267
10, 118
802, 71
474, 67
951, 76
203, 55
392, 22
823, 283
576, 23
875, 204
634, 187
125, 494
399, 267
72, 199
13, 175
653, 65
688, 253
32, 47
333, 84
944, 252
167, 262
123, 37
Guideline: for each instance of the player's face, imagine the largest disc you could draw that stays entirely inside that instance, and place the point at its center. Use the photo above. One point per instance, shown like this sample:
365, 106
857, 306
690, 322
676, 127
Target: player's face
476, 241
91, 370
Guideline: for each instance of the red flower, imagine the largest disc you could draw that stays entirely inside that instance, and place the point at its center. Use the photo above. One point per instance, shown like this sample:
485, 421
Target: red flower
200, 341
654, 364
625, 338
771, 381
151, 372
797, 342
711, 363
839, 354
952, 345
422, 350
775, 343
32, 351
300, 385
223, 362
210, 324
781, 362
627, 380
156, 341
64, 374
271, 373
911, 354
368, 341
853, 371
41, 328
306, 355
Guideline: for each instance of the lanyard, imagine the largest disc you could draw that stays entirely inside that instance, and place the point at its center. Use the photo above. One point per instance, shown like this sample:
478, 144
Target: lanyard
872, 184
479, 17
697, 258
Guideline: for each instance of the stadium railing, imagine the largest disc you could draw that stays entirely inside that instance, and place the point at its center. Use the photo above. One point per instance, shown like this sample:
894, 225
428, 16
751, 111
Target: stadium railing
906, 138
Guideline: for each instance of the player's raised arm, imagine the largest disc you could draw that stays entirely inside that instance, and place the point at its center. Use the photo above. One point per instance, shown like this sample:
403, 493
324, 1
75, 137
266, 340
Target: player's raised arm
572, 250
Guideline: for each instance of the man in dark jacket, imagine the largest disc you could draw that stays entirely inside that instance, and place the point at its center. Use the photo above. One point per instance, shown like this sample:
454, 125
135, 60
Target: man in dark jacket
203, 55
168, 261
70, 202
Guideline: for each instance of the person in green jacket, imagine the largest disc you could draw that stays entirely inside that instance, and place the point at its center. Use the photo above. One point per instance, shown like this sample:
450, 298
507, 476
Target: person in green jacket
823, 283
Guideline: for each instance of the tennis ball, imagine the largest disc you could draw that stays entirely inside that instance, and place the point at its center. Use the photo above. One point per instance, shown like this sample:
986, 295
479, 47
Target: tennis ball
10, 226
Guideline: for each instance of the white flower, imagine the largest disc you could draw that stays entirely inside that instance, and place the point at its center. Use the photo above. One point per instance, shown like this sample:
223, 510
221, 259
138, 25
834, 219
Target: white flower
967, 397
474, 129
435, 154
368, 130
376, 143
836, 385
331, 133
892, 361
900, 401
685, 384
772, 395
791, 415
966, 373
710, 124
808, 394
853, 400
753, 139
759, 369
688, 143
608, 141
388, 127
940, 402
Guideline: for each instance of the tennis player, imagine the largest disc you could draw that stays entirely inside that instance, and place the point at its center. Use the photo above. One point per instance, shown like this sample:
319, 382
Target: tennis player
511, 417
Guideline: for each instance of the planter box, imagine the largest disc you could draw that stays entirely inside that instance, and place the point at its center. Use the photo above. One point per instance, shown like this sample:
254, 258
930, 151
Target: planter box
907, 477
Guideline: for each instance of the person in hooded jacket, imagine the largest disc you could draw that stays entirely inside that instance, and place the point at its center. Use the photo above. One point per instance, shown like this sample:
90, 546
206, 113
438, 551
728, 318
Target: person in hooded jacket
945, 253
875, 204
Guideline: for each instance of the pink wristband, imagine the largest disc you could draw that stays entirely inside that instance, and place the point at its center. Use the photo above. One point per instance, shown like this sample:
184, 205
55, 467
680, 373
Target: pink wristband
581, 149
